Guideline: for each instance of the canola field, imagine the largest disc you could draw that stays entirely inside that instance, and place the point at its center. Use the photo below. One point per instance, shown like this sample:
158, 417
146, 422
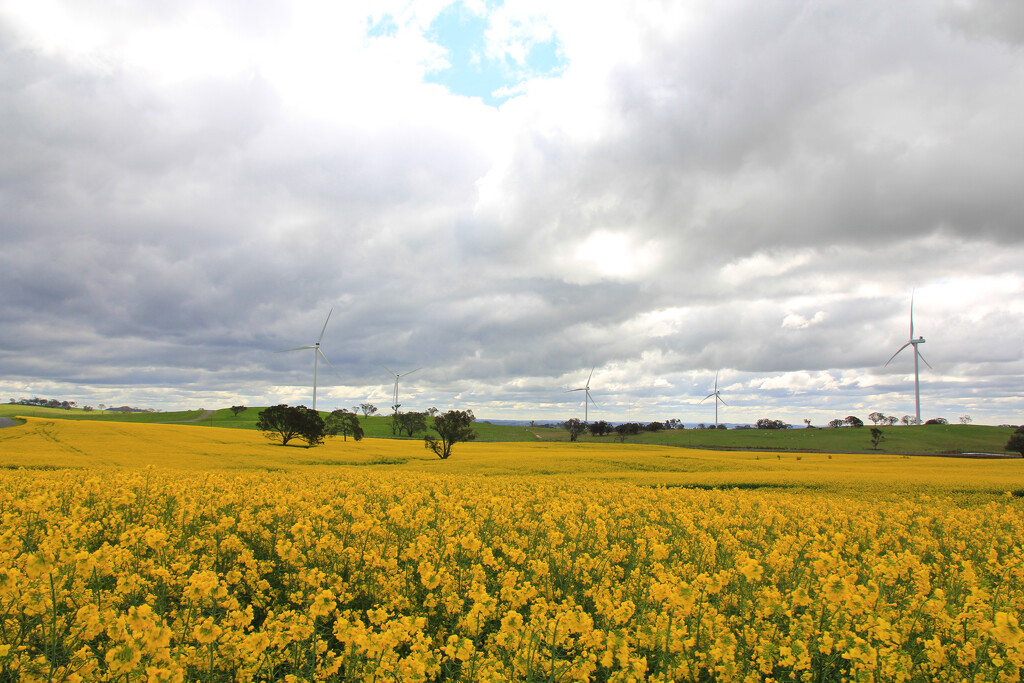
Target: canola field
169, 553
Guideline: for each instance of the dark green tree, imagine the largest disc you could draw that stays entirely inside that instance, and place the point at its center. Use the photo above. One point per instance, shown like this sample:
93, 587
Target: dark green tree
235, 410
1016, 442
368, 409
408, 423
575, 427
345, 423
284, 423
876, 436
600, 428
627, 429
854, 421
452, 427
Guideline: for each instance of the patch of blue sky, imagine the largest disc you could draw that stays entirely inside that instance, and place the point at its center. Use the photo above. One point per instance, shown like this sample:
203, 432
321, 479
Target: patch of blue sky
471, 71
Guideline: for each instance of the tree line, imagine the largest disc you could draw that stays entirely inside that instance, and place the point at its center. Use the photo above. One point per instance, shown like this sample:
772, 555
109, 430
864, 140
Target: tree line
284, 423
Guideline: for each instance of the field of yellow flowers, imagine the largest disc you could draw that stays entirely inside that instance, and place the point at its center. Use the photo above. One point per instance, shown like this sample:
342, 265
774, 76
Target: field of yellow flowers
169, 553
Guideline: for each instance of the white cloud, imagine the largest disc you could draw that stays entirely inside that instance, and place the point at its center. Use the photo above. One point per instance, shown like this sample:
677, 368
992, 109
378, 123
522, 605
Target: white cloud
799, 322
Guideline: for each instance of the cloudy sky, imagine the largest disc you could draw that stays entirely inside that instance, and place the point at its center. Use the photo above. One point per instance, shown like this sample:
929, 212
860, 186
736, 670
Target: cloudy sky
511, 195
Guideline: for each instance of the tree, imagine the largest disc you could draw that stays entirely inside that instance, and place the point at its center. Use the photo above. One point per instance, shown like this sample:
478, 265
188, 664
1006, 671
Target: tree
673, 423
600, 428
854, 421
937, 421
891, 420
966, 419
835, 423
876, 436
409, 423
767, 423
1016, 442
627, 429
807, 423
368, 409
235, 410
345, 423
575, 427
908, 420
284, 423
453, 427
87, 409
654, 427
876, 417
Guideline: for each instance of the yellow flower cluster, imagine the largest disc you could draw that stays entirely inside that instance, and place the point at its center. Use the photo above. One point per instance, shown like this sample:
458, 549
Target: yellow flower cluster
150, 575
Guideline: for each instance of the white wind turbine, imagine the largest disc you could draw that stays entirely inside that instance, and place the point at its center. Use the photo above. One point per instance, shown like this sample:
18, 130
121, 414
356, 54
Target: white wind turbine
395, 405
317, 355
587, 400
917, 354
718, 397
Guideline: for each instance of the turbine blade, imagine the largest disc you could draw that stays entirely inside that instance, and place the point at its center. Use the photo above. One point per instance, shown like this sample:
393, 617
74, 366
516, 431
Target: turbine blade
912, 313
572, 390
705, 398
388, 369
723, 401
411, 371
896, 354
921, 356
325, 326
716, 380
591, 375
297, 348
328, 362
592, 401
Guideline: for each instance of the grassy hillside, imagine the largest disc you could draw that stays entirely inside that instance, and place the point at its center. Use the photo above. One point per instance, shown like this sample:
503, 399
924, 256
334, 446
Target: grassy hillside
950, 439
922, 439
8, 410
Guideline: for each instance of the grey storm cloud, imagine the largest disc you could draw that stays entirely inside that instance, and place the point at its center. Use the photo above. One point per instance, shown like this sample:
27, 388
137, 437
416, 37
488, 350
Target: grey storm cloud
758, 191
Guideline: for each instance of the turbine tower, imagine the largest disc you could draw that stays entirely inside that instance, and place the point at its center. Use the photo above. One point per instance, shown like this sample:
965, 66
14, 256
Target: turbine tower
317, 355
396, 404
917, 354
587, 400
718, 397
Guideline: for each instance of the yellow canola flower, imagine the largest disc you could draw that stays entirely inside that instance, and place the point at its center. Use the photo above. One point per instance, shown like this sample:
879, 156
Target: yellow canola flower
207, 631
366, 573
1006, 629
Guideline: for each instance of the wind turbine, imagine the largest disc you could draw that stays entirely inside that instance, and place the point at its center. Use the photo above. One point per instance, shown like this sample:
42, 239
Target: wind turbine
718, 397
395, 405
587, 400
917, 354
317, 355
